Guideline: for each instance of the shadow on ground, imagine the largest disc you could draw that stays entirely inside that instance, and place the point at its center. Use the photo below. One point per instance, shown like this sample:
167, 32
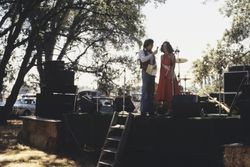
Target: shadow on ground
13, 154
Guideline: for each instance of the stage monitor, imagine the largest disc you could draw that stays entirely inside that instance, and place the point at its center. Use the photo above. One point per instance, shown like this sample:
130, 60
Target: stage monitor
118, 104
186, 106
234, 81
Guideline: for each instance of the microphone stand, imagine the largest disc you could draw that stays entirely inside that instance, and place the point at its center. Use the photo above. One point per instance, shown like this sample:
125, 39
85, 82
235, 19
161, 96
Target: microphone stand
220, 88
177, 51
124, 89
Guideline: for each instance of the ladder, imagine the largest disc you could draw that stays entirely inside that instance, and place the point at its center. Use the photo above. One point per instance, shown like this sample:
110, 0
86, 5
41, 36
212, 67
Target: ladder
115, 140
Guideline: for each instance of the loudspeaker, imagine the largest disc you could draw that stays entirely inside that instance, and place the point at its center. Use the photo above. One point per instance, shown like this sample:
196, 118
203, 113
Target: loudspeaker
56, 78
244, 106
186, 106
232, 80
228, 97
245, 92
53, 66
54, 105
239, 68
118, 104
58, 89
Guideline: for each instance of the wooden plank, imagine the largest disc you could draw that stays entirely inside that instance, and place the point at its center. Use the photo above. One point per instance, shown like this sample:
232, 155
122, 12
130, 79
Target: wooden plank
40, 133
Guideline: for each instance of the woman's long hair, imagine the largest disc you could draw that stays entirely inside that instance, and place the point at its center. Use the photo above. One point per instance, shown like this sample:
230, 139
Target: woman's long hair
169, 47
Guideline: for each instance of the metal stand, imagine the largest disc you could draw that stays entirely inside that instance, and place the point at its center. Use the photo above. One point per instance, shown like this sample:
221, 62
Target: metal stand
185, 85
177, 51
124, 89
220, 88
97, 105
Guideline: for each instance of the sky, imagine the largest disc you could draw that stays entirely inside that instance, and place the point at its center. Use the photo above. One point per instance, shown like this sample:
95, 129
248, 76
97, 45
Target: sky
189, 25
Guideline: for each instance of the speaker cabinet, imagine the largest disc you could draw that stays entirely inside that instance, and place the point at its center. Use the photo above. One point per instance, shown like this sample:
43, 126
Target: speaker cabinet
186, 106
246, 92
239, 68
54, 105
59, 89
244, 105
53, 79
118, 104
228, 97
53, 66
232, 80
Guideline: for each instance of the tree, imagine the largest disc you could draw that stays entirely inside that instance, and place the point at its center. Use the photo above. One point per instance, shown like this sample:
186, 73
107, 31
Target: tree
13, 35
232, 49
46, 30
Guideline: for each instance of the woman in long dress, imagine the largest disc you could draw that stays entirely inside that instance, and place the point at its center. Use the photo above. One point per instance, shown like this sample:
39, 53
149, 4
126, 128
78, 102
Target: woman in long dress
168, 85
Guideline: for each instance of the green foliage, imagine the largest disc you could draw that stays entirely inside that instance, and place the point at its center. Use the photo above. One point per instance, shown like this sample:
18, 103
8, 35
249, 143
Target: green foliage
54, 29
232, 49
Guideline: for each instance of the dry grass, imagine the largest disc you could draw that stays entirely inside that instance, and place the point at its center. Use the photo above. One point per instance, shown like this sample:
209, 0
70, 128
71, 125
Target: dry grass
13, 154
237, 156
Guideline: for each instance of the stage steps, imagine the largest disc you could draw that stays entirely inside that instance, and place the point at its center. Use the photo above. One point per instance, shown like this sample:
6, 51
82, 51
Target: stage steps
115, 140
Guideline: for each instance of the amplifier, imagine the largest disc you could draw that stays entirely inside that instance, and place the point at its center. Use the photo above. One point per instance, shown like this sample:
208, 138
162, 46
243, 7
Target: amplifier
186, 106
53, 66
118, 104
239, 68
228, 97
54, 105
233, 80
70, 89
58, 78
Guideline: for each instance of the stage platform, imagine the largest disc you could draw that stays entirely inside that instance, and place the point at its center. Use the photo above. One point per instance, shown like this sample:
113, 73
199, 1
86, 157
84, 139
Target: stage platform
160, 141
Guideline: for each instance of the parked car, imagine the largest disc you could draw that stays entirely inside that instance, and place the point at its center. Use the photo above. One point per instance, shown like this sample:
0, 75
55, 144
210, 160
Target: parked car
24, 106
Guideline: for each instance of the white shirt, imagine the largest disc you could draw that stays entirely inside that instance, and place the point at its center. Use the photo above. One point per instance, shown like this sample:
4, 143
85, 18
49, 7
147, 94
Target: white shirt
144, 58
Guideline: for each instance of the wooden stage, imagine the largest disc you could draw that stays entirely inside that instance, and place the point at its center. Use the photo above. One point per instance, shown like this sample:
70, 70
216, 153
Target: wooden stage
161, 141
152, 141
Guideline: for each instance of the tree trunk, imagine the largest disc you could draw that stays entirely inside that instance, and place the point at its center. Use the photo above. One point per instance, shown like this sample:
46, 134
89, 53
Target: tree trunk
24, 69
13, 35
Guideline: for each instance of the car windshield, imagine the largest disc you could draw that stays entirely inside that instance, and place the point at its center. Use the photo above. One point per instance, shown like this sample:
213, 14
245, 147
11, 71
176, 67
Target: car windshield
28, 101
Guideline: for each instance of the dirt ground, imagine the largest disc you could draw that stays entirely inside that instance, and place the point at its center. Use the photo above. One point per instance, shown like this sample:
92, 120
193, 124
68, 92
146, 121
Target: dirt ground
13, 154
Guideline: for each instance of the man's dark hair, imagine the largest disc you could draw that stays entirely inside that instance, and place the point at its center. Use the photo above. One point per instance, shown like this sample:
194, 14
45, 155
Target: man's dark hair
148, 42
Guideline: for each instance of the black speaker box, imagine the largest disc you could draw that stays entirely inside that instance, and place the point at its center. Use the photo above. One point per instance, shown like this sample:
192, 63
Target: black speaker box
186, 106
228, 97
54, 105
232, 80
244, 106
118, 104
58, 89
239, 68
53, 66
54, 79
246, 92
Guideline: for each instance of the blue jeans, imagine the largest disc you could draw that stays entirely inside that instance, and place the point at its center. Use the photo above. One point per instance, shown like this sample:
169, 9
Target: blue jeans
148, 89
